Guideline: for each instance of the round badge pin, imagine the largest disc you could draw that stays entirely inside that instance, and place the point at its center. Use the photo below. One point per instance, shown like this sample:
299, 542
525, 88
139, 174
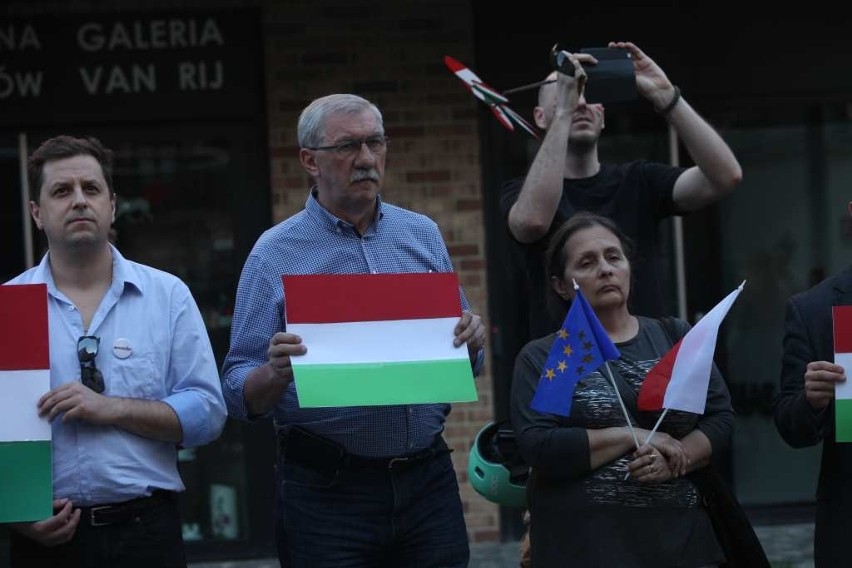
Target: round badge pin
121, 348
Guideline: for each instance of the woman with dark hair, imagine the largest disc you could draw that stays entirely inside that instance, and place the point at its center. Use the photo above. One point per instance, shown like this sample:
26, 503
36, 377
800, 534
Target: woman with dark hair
585, 510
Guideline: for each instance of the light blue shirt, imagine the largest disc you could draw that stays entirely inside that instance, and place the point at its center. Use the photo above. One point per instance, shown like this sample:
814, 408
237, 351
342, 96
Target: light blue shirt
170, 360
316, 242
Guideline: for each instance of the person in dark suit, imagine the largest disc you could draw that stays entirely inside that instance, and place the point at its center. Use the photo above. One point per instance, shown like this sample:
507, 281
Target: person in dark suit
804, 408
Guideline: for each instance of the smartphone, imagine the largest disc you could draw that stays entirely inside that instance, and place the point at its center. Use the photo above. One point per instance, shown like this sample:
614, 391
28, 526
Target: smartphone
613, 78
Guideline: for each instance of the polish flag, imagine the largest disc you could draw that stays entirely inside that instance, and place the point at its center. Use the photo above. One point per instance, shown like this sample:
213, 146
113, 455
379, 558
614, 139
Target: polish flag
26, 485
680, 379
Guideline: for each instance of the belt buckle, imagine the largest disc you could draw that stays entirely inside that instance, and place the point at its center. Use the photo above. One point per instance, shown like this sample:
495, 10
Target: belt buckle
92, 512
400, 461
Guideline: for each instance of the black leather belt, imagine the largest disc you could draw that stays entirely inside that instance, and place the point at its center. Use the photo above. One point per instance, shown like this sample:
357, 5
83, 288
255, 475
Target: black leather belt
351, 460
115, 513
305, 448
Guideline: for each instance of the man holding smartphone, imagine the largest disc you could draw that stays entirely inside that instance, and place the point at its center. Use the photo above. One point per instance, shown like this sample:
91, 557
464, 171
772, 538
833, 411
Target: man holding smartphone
566, 176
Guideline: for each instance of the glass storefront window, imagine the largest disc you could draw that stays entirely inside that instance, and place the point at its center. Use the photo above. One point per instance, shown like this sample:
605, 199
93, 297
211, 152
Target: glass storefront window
785, 229
176, 211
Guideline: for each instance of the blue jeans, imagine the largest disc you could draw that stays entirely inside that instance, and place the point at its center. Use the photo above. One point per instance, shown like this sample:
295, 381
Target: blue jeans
409, 516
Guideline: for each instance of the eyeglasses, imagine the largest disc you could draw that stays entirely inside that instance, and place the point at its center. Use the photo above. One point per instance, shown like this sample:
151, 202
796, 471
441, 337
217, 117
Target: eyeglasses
375, 144
87, 350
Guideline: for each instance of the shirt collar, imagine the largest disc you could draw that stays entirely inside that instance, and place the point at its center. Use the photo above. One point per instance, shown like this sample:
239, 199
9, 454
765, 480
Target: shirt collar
334, 223
123, 273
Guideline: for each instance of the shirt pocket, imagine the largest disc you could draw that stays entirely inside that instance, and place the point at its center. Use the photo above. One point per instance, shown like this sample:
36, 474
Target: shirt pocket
135, 377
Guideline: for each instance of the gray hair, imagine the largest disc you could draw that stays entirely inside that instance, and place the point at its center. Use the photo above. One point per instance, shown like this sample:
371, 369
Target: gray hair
311, 128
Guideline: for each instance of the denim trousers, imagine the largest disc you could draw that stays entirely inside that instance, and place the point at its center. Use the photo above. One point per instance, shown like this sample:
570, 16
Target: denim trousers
407, 516
152, 538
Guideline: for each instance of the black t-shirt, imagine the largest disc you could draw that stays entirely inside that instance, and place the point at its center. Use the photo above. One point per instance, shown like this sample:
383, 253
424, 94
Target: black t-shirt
637, 196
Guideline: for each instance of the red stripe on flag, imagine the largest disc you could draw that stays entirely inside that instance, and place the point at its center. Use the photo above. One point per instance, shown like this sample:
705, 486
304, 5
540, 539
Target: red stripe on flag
23, 314
656, 382
337, 298
842, 328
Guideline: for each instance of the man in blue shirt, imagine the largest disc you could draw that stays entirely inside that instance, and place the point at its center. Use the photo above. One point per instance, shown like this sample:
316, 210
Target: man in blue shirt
132, 376
363, 486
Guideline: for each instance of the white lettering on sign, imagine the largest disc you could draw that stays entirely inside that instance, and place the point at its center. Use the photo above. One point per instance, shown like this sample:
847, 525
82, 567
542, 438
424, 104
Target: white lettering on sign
136, 79
201, 75
13, 39
149, 34
27, 83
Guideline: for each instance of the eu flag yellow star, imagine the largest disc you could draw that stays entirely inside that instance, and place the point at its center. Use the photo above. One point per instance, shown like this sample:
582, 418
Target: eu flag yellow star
579, 346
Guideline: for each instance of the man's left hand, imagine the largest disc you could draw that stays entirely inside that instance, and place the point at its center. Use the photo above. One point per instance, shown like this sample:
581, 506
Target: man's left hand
77, 402
471, 331
651, 81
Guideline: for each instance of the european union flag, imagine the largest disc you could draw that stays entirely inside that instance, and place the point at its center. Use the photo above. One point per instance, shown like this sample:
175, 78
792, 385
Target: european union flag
581, 345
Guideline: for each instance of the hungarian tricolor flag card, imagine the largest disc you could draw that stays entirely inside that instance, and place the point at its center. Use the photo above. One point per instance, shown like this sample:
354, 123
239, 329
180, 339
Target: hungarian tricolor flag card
26, 486
377, 339
843, 357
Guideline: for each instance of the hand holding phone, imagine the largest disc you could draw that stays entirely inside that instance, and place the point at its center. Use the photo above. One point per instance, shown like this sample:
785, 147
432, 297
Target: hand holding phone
611, 79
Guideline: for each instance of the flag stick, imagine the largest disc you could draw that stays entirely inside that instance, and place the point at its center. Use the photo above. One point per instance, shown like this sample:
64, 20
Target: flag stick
528, 87
621, 402
651, 435
657, 425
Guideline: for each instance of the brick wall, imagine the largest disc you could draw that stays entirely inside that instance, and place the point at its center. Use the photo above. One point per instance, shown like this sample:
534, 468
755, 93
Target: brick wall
392, 54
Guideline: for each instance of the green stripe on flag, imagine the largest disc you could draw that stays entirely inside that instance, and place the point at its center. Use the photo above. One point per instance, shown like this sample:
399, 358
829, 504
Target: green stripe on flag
843, 420
26, 484
367, 384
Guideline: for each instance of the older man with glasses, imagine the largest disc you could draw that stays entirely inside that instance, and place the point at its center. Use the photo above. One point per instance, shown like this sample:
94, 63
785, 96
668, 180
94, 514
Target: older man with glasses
357, 486
147, 380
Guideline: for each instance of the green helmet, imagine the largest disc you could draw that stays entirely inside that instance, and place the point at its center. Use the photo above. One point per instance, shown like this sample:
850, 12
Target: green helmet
495, 467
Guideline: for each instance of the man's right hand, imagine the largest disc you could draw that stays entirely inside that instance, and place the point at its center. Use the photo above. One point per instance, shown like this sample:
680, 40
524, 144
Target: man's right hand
821, 377
281, 347
54, 530
570, 89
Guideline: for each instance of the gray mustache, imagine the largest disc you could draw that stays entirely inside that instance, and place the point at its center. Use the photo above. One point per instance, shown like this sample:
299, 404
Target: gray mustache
364, 174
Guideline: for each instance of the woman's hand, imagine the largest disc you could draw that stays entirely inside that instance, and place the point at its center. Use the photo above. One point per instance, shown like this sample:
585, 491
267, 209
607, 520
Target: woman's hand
673, 451
649, 466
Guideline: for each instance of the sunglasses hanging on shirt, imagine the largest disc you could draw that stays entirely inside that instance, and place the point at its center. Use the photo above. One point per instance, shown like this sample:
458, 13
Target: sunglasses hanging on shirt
90, 375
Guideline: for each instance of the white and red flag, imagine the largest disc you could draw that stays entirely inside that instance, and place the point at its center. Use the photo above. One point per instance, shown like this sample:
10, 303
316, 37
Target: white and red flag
680, 379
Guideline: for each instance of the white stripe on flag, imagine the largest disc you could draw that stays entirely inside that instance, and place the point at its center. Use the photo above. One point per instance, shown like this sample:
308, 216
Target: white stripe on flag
690, 379
843, 390
392, 341
19, 419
